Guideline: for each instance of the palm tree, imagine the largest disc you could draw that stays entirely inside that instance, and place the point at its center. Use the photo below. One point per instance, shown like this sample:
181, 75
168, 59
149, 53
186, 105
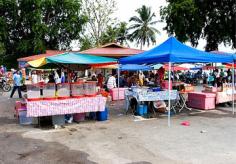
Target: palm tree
143, 31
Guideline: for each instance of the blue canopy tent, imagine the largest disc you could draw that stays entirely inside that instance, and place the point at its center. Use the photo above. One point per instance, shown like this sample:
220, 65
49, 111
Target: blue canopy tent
135, 67
173, 51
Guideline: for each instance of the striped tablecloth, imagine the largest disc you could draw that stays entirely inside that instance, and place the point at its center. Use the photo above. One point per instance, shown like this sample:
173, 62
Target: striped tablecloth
66, 106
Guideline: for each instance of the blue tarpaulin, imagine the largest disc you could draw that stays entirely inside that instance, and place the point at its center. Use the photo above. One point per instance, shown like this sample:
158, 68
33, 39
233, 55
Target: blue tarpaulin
135, 67
174, 51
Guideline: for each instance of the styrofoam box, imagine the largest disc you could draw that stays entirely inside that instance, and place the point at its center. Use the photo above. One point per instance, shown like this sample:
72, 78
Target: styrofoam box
114, 93
201, 100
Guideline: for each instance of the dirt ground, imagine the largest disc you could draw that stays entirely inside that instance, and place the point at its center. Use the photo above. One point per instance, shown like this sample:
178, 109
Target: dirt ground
210, 138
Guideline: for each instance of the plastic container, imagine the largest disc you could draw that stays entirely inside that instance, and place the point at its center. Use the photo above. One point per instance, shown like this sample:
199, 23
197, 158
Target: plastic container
49, 91
63, 90
140, 110
33, 91
118, 94
77, 89
145, 109
23, 119
90, 88
156, 89
102, 116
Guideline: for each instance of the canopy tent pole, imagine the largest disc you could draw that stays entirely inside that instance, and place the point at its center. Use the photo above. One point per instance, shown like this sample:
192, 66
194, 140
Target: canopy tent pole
169, 78
233, 87
118, 81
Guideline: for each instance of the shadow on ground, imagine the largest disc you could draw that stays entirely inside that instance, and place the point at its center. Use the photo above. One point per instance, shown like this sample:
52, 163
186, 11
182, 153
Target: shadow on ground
15, 149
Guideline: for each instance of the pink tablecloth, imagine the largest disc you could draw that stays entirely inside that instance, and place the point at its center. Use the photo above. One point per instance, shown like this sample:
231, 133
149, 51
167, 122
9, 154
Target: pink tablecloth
66, 106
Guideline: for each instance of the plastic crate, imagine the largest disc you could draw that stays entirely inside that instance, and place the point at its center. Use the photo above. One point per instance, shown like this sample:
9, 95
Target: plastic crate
63, 90
90, 88
77, 89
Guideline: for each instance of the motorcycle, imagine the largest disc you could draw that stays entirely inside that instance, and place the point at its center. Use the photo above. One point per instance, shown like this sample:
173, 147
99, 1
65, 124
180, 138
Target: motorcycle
4, 84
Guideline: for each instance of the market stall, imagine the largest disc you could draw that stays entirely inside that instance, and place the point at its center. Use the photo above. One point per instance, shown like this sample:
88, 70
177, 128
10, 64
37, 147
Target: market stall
59, 99
173, 51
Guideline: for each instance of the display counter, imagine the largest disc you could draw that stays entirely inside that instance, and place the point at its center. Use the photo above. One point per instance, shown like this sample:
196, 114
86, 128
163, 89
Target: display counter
41, 108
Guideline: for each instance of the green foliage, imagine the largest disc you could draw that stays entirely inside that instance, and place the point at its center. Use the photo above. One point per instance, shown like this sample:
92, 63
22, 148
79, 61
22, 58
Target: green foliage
86, 43
190, 20
143, 31
31, 26
117, 33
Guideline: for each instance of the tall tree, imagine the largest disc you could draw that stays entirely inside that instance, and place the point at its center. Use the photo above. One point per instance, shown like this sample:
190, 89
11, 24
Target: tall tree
143, 30
116, 33
212, 20
30, 27
99, 13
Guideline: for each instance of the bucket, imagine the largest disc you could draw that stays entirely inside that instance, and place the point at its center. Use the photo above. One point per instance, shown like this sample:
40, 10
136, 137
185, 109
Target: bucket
102, 116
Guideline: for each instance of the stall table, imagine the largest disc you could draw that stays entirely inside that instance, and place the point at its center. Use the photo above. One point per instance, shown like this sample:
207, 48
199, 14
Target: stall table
65, 106
149, 96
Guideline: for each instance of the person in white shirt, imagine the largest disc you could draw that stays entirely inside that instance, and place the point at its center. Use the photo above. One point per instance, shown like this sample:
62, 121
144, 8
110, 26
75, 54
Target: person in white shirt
34, 77
111, 83
56, 77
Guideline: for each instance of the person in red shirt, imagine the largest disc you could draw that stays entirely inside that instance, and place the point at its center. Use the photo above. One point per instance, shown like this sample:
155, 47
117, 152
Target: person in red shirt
161, 73
100, 80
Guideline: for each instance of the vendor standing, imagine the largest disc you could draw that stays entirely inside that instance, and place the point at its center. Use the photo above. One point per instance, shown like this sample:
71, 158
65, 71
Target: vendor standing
34, 78
161, 73
111, 83
100, 80
17, 84
141, 78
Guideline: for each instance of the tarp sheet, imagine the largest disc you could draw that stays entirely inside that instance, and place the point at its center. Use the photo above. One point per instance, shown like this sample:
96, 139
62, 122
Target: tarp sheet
78, 58
174, 51
72, 58
38, 62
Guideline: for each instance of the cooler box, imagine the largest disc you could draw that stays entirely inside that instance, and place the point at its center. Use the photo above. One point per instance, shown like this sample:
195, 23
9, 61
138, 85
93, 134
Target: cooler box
201, 100
114, 93
23, 119
78, 117
165, 84
102, 116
